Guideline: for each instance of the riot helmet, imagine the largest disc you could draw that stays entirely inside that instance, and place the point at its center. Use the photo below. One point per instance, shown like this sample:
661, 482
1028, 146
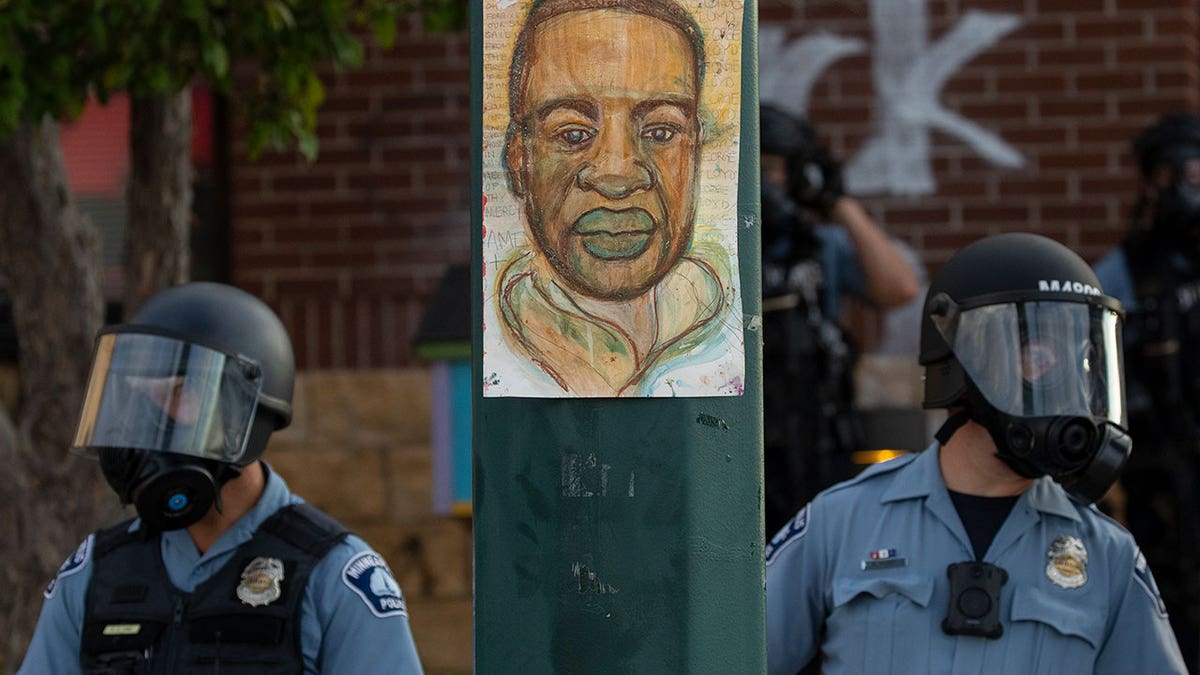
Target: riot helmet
1017, 334
812, 177
1168, 156
183, 396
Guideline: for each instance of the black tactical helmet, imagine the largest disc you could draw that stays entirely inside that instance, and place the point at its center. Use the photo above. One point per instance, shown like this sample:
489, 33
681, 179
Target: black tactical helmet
1018, 335
1154, 145
1012, 262
784, 134
235, 322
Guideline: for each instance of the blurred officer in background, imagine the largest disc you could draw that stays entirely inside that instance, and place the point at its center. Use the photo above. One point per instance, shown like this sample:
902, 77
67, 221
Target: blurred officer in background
818, 244
1155, 273
982, 554
223, 570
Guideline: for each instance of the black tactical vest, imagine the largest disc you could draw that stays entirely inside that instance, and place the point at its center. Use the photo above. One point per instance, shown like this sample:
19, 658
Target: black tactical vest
1162, 337
245, 619
808, 387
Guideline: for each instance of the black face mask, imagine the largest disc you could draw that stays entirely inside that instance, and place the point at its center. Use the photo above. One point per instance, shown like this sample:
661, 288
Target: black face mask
1177, 207
170, 491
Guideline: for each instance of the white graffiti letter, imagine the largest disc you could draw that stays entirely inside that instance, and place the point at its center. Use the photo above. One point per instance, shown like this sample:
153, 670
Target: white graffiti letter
788, 71
909, 74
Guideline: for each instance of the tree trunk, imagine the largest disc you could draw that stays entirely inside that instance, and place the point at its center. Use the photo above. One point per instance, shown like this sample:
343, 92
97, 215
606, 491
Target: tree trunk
50, 258
157, 241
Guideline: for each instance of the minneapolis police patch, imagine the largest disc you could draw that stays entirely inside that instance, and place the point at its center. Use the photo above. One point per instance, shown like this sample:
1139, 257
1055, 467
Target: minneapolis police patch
368, 575
795, 530
74, 563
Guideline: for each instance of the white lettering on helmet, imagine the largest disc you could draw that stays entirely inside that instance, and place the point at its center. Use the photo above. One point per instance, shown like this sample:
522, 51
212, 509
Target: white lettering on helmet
1067, 286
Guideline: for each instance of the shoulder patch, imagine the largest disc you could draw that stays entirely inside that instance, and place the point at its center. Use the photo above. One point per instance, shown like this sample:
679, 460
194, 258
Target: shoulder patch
368, 575
74, 563
1145, 579
794, 531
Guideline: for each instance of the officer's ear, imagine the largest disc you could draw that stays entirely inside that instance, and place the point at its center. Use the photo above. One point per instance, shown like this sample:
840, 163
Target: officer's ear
515, 159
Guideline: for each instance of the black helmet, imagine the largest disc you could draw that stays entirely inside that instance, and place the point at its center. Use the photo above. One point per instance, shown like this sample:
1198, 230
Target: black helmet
784, 134
235, 322
1156, 143
184, 396
1168, 156
1017, 332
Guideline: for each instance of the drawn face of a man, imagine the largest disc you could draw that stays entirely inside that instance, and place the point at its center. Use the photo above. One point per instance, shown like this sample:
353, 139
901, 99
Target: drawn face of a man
607, 157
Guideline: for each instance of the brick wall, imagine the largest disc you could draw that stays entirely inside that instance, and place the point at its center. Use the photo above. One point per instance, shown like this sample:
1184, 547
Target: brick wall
1066, 88
349, 248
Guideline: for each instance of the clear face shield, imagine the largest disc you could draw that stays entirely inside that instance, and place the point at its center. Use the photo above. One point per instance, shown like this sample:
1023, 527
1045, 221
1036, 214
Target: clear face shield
1042, 358
160, 394
1048, 382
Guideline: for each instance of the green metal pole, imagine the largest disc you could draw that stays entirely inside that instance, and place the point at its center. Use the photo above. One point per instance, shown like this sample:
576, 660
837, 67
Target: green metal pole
623, 535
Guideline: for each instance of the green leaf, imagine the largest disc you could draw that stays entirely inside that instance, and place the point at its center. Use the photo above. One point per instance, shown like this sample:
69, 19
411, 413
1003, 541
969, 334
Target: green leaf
385, 31
279, 16
115, 76
216, 59
306, 141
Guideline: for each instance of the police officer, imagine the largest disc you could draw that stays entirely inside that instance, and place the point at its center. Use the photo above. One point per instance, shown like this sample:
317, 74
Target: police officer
1155, 273
818, 245
223, 569
982, 554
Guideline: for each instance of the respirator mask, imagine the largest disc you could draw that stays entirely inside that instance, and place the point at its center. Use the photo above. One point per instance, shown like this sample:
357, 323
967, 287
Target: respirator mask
169, 420
1177, 205
1045, 379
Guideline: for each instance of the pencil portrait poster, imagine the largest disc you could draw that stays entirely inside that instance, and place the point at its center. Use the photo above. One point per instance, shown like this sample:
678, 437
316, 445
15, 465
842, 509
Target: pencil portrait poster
610, 172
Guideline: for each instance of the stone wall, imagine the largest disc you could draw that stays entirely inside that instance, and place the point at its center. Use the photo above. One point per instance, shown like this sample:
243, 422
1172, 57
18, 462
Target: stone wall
359, 448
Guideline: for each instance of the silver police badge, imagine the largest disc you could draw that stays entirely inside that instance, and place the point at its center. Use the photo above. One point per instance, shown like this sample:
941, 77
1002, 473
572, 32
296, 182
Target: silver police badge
1068, 562
261, 582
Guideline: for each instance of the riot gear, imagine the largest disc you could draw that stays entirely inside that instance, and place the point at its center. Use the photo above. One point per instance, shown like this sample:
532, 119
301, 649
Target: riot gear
1158, 263
184, 396
1016, 332
808, 359
1168, 154
814, 177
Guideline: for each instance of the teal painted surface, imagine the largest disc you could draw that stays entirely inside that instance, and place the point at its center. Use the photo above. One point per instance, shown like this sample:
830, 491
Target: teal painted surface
622, 536
460, 429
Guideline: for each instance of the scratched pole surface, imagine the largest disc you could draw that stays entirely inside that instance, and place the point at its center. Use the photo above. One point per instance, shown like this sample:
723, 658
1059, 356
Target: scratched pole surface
623, 535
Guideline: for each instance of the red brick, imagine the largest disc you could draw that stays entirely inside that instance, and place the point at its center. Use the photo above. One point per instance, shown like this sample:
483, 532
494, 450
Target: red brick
1155, 53
1019, 185
247, 207
322, 286
414, 154
307, 183
269, 259
1156, 105
1104, 185
1093, 26
1088, 212
325, 233
1164, 79
992, 214
1073, 160
1055, 56
1148, 5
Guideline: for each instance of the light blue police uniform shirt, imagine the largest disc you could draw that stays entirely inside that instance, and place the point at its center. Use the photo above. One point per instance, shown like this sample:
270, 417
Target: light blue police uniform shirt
1115, 279
344, 627
866, 560
840, 268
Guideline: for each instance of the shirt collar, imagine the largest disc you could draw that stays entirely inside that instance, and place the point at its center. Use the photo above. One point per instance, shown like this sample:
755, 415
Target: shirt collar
923, 476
